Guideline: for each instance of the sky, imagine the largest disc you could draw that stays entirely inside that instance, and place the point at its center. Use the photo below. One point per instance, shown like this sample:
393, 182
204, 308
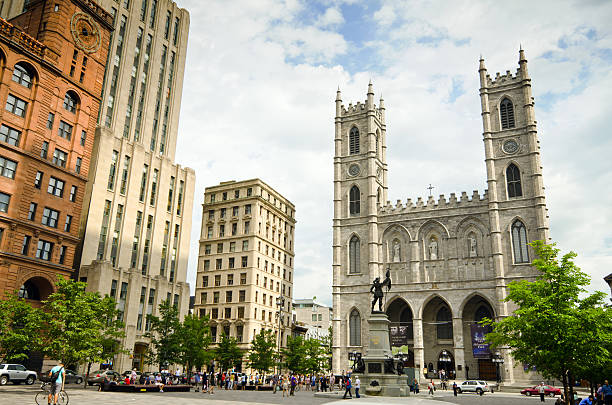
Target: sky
261, 79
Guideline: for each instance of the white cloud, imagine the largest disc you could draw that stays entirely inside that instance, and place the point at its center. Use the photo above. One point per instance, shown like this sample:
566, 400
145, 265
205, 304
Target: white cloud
331, 18
259, 102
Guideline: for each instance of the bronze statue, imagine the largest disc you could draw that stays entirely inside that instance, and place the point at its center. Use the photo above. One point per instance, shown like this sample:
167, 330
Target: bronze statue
377, 290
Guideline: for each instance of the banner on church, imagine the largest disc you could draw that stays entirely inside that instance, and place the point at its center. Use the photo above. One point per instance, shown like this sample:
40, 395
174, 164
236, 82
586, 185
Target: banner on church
399, 336
480, 348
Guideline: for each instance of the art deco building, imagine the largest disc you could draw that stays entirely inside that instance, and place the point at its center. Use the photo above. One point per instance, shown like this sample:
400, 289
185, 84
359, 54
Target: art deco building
138, 202
246, 260
52, 60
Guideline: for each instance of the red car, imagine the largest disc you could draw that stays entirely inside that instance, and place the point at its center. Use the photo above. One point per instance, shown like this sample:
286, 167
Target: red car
535, 390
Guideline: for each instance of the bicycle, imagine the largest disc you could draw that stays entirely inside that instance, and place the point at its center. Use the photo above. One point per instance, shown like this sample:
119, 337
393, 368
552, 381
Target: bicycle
43, 396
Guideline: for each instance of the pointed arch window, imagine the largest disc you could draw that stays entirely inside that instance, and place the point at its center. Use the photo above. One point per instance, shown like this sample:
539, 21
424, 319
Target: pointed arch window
354, 259
444, 324
506, 112
519, 242
355, 328
354, 141
354, 200
481, 313
513, 178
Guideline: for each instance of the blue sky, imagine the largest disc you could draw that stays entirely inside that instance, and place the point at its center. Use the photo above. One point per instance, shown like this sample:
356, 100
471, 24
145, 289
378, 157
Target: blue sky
260, 85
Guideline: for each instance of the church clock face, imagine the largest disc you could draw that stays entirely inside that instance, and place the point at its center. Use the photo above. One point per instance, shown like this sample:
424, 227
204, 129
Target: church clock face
510, 146
353, 170
85, 32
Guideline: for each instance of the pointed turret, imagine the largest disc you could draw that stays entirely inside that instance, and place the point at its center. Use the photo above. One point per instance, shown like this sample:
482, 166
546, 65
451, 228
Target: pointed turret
381, 107
370, 100
338, 102
482, 70
523, 64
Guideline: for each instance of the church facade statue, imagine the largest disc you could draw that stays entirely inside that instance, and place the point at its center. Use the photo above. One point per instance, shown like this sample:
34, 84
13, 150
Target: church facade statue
396, 251
433, 249
472, 245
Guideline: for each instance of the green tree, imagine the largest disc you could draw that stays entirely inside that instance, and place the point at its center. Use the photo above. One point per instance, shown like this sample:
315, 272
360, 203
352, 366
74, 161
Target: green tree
227, 353
294, 355
164, 332
20, 325
316, 359
194, 338
112, 334
74, 323
262, 356
552, 327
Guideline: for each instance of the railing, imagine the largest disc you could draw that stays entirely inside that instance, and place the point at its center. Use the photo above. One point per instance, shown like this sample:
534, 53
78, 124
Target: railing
15, 34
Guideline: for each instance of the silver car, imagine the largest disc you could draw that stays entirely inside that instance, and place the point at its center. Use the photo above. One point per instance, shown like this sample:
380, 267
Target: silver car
16, 373
479, 387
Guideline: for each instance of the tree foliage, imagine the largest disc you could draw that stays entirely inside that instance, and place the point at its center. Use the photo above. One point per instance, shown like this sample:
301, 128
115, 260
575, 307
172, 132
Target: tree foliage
76, 324
305, 356
553, 328
194, 338
20, 325
262, 356
227, 353
164, 332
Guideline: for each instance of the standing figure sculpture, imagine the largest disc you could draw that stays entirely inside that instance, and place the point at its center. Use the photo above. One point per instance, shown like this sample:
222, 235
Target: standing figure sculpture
396, 251
377, 290
433, 249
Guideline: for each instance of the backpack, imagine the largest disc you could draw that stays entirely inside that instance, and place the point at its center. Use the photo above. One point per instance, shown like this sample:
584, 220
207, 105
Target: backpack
56, 374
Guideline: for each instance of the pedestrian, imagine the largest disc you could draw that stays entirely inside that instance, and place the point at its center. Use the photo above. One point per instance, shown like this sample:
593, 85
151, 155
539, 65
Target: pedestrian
357, 386
587, 401
332, 381
159, 382
541, 391
204, 382
347, 385
285, 384
211, 384
455, 388
57, 374
293, 384
196, 379
431, 387
133, 376
606, 393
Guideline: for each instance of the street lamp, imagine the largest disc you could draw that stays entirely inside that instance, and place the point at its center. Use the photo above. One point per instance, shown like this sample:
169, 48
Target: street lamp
280, 303
498, 359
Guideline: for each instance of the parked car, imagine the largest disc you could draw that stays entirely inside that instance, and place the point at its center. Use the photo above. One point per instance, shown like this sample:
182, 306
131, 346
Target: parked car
479, 387
72, 377
535, 390
128, 373
16, 373
97, 377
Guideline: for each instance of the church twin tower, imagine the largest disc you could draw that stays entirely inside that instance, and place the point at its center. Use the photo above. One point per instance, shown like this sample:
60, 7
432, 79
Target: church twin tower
450, 259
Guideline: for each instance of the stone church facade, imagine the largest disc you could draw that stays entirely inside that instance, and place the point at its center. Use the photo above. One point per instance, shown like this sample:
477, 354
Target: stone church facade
450, 259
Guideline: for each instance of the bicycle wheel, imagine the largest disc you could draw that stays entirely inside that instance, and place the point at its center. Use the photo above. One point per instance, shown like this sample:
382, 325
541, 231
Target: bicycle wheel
63, 398
42, 397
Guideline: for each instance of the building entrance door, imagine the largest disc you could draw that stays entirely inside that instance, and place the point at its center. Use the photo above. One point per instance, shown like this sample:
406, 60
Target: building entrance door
486, 370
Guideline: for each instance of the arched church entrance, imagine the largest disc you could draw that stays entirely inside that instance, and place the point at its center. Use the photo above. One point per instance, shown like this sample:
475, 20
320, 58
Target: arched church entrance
438, 337
477, 351
401, 331
446, 362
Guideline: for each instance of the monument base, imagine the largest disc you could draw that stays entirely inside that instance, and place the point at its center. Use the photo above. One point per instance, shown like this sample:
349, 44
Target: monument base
375, 380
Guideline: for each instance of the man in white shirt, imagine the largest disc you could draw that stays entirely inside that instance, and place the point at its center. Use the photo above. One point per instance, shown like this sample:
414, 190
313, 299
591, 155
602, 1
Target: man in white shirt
357, 386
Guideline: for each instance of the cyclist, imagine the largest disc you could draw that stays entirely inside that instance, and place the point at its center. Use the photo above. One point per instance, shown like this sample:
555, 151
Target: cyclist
57, 375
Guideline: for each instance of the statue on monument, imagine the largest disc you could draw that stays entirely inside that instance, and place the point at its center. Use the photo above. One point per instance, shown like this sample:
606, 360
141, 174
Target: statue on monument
473, 251
377, 290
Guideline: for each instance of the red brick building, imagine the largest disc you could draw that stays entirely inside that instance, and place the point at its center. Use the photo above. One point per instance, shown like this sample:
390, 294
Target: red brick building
52, 63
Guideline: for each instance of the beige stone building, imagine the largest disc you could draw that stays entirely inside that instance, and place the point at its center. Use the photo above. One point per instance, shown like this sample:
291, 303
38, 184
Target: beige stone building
450, 259
246, 261
138, 203
314, 316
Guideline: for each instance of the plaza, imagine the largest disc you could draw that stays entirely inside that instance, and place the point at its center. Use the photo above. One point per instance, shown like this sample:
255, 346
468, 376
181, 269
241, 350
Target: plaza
21, 394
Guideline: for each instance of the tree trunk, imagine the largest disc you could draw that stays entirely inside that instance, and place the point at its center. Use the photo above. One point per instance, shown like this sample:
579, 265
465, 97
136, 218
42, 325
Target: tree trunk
565, 390
87, 375
570, 377
592, 392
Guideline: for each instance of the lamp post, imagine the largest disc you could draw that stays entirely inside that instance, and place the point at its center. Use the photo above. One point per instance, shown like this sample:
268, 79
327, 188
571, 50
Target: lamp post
280, 303
498, 359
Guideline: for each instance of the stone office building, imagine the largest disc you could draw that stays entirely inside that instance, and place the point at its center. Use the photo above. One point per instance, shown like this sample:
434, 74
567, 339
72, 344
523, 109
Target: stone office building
50, 80
246, 261
450, 259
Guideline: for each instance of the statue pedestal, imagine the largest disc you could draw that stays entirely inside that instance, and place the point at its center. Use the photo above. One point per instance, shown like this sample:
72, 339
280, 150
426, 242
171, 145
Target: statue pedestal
386, 381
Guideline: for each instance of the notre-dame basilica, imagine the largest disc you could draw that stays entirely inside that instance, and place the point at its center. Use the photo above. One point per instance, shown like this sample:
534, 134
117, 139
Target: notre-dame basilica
450, 259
